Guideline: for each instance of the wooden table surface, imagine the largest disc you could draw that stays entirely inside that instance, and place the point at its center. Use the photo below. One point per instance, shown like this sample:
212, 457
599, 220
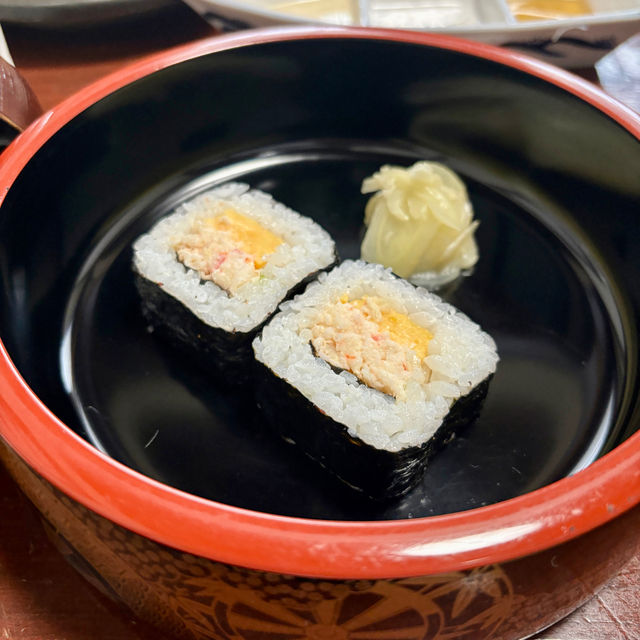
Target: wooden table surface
41, 597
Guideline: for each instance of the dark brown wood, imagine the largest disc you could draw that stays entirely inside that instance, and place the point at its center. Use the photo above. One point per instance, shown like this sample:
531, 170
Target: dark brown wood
58, 63
41, 596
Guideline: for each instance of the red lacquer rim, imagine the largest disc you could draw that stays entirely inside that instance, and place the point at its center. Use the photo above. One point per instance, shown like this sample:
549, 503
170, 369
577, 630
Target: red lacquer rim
503, 531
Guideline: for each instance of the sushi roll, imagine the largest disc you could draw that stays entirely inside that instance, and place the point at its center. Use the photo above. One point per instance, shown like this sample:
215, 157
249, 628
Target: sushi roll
369, 375
214, 270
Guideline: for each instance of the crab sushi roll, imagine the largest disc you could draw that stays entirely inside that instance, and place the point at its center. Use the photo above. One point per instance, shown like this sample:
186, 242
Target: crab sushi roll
369, 375
214, 270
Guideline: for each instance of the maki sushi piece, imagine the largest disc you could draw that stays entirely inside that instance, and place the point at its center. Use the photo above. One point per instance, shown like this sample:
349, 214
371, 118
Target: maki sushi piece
369, 375
214, 270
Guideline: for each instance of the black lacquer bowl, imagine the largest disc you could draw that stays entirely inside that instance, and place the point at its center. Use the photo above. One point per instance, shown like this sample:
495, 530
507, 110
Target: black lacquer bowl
552, 167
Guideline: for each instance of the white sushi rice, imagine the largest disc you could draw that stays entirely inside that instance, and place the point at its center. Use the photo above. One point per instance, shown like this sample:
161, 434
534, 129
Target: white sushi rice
306, 249
460, 356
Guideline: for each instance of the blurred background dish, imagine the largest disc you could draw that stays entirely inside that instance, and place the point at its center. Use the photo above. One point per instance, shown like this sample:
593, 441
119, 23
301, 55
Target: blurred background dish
568, 33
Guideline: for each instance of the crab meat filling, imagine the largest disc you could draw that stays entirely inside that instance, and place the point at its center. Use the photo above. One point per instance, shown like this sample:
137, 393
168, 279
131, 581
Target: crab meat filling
229, 249
382, 347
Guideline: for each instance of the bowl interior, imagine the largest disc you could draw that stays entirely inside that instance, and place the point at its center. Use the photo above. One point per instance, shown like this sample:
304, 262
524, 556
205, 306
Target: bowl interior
552, 182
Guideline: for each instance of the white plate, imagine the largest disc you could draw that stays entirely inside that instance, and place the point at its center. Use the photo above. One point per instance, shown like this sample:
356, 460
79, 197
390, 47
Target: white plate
570, 42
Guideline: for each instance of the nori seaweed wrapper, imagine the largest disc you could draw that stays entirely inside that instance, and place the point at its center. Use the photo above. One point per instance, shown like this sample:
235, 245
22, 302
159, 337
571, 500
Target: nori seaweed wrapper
377, 473
225, 355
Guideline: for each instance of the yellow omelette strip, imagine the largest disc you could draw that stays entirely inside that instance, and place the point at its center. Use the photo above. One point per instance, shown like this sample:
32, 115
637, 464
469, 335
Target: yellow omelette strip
548, 9
397, 325
250, 235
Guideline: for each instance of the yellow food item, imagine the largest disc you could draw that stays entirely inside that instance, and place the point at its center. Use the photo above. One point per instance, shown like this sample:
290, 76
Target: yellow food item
250, 235
398, 325
228, 249
548, 9
379, 345
338, 11
419, 222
